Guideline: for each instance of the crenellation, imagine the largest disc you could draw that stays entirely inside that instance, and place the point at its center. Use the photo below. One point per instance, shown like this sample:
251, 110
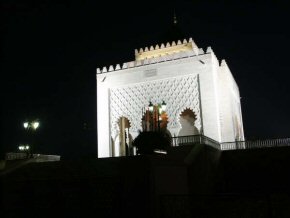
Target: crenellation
163, 58
111, 68
146, 61
175, 50
208, 50
118, 67
196, 50
104, 70
124, 66
153, 60
200, 51
131, 64
138, 63
223, 63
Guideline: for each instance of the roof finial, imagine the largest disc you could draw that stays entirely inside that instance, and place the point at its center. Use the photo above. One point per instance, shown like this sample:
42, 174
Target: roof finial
174, 17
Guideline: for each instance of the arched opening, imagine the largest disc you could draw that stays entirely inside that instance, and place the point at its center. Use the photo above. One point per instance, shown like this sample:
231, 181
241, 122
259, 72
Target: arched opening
187, 120
123, 143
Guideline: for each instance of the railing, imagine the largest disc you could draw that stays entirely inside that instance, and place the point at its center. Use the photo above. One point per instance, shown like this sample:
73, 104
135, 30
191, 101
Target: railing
37, 157
255, 144
16, 156
194, 139
237, 145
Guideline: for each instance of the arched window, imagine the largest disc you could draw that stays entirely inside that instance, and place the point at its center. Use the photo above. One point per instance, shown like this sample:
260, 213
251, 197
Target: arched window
187, 120
123, 142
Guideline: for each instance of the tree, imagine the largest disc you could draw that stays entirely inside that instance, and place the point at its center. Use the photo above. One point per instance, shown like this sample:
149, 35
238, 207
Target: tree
147, 142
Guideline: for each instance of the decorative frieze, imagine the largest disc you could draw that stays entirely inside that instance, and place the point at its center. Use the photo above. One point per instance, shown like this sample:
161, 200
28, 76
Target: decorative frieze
179, 93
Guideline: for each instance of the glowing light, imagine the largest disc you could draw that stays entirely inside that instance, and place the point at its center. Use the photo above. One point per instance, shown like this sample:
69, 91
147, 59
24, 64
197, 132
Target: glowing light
25, 124
160, 151
150, 106
35, 125
23, 147
163, 106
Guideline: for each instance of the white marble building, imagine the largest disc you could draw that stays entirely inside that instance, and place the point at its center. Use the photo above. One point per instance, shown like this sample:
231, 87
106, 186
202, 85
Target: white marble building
180, 74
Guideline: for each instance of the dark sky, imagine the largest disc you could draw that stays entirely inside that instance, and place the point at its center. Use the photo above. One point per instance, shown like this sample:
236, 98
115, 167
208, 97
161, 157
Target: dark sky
50, 50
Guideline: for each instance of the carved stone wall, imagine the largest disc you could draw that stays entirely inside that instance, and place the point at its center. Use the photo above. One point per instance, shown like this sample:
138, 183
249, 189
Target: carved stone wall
179, 93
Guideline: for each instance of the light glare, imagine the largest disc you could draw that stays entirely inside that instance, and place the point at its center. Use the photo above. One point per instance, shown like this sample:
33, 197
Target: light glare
25, 124
35, 125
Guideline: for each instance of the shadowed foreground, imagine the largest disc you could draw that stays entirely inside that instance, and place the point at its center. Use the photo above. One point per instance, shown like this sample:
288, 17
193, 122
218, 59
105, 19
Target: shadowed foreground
190, 181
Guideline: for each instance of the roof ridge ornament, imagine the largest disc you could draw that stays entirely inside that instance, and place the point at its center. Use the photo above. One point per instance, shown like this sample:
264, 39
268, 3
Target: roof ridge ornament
174, 17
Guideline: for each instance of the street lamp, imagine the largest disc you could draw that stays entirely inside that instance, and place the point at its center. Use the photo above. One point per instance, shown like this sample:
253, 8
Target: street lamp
25, 124
163, 106
151, 106
160, 109
24, 148
33, 125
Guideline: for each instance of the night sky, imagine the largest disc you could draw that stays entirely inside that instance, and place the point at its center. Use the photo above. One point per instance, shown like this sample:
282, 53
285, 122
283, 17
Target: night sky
50, 51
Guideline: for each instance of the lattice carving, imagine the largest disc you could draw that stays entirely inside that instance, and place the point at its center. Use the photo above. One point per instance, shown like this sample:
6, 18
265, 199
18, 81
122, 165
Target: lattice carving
179, 93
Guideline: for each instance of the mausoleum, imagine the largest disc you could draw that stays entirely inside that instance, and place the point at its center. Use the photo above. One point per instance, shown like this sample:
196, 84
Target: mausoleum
175, 87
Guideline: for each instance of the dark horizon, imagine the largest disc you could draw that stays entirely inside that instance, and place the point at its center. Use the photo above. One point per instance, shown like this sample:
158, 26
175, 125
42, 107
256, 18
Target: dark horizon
50, 52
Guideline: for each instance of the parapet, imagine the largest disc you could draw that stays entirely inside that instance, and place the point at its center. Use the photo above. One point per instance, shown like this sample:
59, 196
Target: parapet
165, 49
158, 54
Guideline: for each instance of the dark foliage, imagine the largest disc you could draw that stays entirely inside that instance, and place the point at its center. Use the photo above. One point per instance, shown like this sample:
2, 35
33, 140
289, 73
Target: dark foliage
147, 142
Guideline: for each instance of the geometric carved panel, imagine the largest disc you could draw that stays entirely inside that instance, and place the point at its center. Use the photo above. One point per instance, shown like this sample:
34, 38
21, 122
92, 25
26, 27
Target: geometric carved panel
179, 93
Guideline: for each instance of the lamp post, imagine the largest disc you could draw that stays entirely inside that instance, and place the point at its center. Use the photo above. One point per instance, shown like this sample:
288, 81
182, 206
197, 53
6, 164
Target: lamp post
151, 108
163, 107
160, 109
30, 126
24, 148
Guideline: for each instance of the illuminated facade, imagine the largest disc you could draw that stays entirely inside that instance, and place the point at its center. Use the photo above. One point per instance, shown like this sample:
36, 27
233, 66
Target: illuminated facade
200, 94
